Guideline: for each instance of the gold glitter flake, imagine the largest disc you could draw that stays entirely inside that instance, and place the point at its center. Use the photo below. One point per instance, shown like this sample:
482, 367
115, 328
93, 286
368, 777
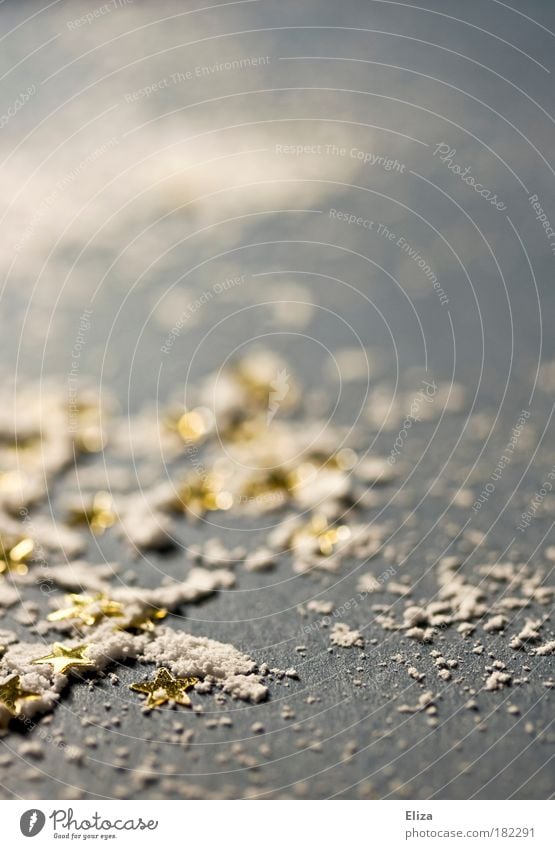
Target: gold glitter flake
201, 494
14, 557
89, 609
63, 658
266, 383
325, 536
99, 515
191, 425
165, 688
12, 695
90, 437
272, 487
345, 459
146, 621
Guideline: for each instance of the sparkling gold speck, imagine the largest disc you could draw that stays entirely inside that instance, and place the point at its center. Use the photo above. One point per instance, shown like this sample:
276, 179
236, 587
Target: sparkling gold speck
100, 515
165, 688
13, 558
63, 658
325, 536
145, 621
12, 695
89, 609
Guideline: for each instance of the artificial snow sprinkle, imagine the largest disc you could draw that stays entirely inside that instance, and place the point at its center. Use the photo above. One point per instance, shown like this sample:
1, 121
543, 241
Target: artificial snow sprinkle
80, 575
320, 606
341, 635
268, 463
143, 527
165, 688
8, 595
133, 607
186, 656
260, 561
497, 680
217, 663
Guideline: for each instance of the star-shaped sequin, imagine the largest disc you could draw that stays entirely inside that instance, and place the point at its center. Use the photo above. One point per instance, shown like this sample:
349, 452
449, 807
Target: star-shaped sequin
99, 514
12, 695
65, 657
191, 425
146, 621
199, 494
89, 609
165, 688
321, 535
14, 557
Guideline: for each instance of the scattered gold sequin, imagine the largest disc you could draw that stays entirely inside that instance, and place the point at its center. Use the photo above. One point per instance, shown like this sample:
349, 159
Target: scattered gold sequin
90, 437
89, 609
191, 425
14, 557
345, 459
20, 442
274, 485
63, 658
146, 621
12, 695
325, 536
268, 385
99, 516
165, 688
243, 429
200, 494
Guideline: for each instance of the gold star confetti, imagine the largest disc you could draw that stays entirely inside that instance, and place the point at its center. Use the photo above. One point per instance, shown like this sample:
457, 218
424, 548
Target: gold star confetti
191, 425
65, 657
200, 494
266, 382
89, 609
145, 621
19, 441
272, 486
345, 459
89, 434
165, 688
325, 536
13, 558
242, 429
99, 515
12, 695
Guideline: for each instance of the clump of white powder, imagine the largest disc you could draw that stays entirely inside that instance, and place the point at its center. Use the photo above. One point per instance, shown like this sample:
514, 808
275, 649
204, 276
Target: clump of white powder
217, 664
137, 602
341, 635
